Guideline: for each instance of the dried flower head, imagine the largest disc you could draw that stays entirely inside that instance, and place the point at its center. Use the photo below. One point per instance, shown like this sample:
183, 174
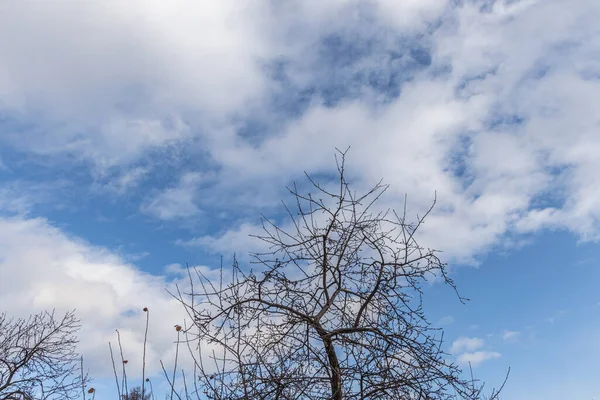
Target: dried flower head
125, 361
91, 390
147, 379
177, 328
145, 309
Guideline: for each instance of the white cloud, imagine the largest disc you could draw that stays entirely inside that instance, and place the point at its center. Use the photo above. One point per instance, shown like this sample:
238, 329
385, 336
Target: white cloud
113, 79
466, 344
122, 182
134, 73
20, 197
42, 268
511, 335
540, 77
535, 172
477, 357
231, 240
14, 202
137, 78
466, 350
176, 201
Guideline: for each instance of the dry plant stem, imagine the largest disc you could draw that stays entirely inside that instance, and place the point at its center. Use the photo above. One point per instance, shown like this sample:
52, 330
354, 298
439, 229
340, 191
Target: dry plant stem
175, 365
82, 381
151, 389
173, 391
184, 385
124, 382
144, 352
112, 358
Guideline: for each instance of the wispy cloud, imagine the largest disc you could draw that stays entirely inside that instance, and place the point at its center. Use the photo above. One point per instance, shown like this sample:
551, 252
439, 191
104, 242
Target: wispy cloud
477, 357
466, 344
124, 182
510, 335
557, 316
176, 201
446, 320
466, 350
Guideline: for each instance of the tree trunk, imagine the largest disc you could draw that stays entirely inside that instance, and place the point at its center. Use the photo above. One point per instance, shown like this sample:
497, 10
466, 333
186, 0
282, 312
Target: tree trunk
334, 366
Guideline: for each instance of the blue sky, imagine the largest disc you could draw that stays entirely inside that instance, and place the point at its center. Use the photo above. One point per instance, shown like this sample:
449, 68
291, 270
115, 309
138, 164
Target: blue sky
138, 136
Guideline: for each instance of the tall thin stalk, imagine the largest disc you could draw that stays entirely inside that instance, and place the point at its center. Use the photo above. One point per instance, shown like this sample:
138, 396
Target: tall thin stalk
115, 370
123, 362
82, 380
144, 353
178, 329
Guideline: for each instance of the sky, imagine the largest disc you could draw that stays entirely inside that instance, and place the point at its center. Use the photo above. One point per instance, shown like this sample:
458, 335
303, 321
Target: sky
138, 136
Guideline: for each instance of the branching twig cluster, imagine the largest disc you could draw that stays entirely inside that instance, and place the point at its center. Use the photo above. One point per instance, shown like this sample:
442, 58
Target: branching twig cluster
332, 311
38, 358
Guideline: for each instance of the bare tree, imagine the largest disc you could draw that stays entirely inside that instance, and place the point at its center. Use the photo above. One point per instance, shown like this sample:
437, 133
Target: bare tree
38, 359
136, 394
332, 311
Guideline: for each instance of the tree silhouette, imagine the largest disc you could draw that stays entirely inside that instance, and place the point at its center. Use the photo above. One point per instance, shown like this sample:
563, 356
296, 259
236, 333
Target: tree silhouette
38, 358
136, 394
333, 310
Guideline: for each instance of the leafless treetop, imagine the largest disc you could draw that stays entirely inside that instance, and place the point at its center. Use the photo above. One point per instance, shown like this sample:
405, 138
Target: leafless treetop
332, 311
38, 358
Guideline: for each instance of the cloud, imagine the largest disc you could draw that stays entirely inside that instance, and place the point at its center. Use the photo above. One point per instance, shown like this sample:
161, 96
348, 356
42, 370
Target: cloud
42, 268
466, 344
477, 357
446, 320
14, 203
505, 135
119, 86
231, 240
557, 316
490, 108
511, 335
123, 182
137, 74
466, 350
176, 201
21, 197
